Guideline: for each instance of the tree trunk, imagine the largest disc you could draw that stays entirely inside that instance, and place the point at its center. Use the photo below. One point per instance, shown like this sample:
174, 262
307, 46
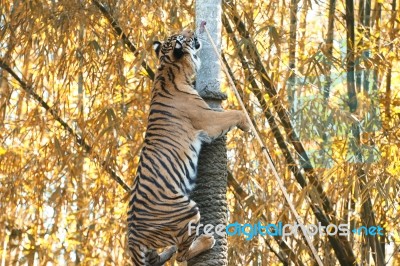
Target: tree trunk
210, 191
360, 44
367, 32
352, 101
79, 160
389, 71
291, 86
367, 214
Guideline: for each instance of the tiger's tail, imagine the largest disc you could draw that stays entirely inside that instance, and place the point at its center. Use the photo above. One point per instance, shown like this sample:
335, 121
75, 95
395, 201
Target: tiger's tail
142, 257
137, 254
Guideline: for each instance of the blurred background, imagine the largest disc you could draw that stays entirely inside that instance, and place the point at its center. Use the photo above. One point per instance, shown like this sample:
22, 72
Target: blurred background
74, 98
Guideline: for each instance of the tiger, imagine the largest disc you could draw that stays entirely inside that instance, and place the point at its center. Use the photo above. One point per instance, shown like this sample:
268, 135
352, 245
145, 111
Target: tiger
179, 121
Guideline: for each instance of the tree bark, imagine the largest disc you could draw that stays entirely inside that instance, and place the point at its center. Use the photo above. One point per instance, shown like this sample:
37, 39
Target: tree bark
210, 191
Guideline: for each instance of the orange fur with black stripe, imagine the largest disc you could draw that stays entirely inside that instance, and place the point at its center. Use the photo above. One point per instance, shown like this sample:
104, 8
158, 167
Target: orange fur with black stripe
179, 122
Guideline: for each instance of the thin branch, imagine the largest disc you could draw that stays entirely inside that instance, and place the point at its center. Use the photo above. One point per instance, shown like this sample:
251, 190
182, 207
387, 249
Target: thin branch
120, 33
54, 113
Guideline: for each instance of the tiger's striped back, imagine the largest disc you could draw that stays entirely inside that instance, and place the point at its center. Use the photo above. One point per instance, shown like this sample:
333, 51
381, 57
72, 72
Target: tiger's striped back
179, 121
159, 206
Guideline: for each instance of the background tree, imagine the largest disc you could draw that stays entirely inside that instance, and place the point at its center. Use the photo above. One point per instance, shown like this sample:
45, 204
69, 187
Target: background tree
75, 79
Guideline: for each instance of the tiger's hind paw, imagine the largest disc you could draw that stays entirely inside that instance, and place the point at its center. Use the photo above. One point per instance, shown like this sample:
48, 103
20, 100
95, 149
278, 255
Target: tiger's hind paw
200, 244
205, 241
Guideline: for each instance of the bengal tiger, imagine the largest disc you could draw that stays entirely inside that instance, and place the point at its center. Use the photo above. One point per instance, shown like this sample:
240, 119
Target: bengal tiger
179, 121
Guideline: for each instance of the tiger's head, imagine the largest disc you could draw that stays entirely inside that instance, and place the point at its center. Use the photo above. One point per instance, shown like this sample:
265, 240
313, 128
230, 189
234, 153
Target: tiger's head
179, 49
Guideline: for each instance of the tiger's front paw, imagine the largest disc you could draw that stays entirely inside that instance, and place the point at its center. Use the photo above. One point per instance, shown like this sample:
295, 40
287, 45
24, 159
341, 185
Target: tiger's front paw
244, 124
206, 241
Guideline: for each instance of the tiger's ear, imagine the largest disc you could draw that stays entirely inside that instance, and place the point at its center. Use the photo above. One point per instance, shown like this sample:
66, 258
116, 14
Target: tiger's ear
157, 47
178, 50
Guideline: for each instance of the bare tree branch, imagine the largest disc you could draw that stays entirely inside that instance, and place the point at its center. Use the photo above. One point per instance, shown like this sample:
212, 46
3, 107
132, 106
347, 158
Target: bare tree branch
120, 33
54, 113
